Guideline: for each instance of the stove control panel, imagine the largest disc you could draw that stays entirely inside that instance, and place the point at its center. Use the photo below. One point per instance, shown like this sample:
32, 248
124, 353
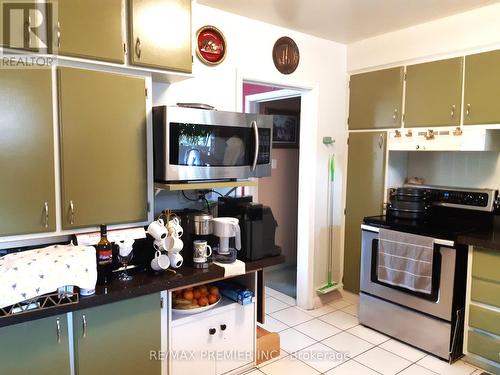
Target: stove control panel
471, 199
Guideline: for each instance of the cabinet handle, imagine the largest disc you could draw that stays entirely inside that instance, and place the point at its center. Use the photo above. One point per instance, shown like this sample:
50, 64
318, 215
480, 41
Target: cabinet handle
212, 331
395, 114
452, 111
138, 48
58, 325
27, 37
223, 327
71, 212
467, 110
46, 214
84, 321
380, 141
58, 34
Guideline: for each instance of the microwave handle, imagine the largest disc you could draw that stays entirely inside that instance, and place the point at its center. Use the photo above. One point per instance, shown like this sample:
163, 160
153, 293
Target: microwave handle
256, 154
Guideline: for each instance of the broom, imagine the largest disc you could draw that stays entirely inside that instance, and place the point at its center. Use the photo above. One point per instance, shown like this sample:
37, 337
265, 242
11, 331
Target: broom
331, 285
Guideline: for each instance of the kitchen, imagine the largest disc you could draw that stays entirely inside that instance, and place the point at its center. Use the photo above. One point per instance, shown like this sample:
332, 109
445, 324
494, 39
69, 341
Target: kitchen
322, 76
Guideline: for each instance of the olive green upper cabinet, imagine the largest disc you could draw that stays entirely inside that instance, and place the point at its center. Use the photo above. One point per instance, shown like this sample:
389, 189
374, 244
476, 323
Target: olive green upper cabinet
376, 99
91, 29
434, 93
482, 88
103, 148
27, 193
160, 35
36, 347
365, 196
117, 338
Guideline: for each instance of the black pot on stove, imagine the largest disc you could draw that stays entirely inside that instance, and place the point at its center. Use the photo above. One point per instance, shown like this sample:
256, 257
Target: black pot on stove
409, 203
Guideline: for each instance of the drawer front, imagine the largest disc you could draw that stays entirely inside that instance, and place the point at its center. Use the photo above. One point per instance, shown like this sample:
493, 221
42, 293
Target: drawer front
486, 264
483, 345
485, 292
485, 319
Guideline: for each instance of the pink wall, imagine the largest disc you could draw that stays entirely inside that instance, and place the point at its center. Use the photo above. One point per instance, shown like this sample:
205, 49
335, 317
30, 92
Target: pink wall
251, 89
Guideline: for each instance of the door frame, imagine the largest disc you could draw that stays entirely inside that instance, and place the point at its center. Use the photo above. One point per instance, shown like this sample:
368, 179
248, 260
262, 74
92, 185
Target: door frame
306, 233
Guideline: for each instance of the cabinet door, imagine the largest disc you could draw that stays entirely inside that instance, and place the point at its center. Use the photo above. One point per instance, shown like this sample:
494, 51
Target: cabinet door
365, 196
482, 88
195, 338
160, 35
375, 99
27, 194
434, 93
36, 347
92, 29
236, 329
103, 148
117, 338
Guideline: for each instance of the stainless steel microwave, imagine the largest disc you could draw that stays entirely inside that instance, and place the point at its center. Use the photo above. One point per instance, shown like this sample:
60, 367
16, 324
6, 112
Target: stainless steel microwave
195, 144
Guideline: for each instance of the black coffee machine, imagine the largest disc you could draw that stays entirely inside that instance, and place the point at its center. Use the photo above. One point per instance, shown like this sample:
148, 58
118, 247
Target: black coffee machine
257, 224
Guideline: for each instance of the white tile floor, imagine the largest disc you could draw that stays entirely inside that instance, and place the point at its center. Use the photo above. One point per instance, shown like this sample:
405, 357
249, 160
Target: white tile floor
330, 341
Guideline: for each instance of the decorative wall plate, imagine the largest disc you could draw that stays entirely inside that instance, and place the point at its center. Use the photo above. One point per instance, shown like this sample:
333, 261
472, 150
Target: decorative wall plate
286, 55
211, 45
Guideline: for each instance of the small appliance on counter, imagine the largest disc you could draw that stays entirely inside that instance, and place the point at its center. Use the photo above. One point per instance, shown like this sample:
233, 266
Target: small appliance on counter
258, 226
226, 228
202, 231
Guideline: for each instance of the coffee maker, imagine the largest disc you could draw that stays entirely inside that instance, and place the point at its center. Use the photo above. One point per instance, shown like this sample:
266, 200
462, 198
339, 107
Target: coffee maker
257, 224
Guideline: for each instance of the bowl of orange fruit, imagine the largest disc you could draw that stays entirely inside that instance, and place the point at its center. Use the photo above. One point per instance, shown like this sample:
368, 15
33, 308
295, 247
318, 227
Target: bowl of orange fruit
194, 300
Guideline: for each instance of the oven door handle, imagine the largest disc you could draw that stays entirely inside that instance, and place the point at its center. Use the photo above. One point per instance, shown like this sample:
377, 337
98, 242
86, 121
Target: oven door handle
256, 135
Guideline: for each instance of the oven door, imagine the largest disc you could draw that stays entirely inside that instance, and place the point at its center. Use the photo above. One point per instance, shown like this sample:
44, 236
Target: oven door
439, 303
211, 145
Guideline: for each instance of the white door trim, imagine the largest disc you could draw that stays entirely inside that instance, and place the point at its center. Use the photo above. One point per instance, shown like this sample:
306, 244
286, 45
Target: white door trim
307, 173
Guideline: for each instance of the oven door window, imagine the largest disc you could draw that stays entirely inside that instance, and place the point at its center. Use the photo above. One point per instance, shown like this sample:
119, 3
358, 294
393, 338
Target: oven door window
436, 274
211, 145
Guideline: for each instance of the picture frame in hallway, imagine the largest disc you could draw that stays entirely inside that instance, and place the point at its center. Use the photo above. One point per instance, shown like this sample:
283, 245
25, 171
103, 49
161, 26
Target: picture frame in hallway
286, 127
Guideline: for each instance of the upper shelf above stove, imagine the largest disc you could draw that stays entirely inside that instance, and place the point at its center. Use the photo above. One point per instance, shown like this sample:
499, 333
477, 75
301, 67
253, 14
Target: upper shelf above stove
444, 139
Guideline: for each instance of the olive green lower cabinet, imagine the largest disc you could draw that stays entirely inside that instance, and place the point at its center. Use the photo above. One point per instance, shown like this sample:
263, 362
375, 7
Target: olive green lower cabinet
117, 338
483, 333
37, 347
365, 196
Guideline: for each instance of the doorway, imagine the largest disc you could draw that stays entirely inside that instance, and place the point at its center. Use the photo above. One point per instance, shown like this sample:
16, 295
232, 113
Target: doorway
280, 191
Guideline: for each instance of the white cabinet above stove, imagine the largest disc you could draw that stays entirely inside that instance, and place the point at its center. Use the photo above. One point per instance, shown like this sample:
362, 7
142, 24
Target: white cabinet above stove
444, 139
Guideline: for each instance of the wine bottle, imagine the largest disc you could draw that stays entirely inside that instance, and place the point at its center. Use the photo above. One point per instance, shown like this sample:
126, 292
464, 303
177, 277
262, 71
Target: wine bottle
104, 253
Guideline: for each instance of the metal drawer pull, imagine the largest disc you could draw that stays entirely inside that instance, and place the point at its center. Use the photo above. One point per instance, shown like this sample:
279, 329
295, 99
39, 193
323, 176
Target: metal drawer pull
453, 111
84, 321
58, 34
380, 141
395, 114
58, 325
72, 212
46, 214
212, 331
223, 327
467, 110
138, 48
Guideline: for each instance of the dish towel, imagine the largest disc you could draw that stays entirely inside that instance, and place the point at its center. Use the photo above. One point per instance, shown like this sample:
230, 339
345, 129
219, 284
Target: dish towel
233, 269
32, 273
405, 260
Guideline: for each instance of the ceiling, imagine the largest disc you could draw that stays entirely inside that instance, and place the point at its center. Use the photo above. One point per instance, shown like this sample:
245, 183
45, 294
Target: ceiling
346, 21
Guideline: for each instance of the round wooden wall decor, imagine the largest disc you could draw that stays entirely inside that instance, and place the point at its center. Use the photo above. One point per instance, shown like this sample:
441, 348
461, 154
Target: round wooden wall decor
286, 55
210, 45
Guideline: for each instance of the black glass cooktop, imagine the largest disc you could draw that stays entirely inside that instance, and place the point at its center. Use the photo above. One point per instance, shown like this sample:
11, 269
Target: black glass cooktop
446, 224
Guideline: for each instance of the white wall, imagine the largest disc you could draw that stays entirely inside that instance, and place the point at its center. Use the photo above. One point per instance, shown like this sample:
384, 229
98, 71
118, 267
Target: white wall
322, 71
468, 32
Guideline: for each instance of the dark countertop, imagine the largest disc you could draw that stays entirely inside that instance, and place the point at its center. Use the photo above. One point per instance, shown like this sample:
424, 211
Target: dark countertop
488, 239
143, 283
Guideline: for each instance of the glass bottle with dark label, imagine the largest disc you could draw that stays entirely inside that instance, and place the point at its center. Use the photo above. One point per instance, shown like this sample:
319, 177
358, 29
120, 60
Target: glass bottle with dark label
104, 252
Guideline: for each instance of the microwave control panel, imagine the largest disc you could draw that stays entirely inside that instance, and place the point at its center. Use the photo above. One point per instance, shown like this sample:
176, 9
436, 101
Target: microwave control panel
264, 154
